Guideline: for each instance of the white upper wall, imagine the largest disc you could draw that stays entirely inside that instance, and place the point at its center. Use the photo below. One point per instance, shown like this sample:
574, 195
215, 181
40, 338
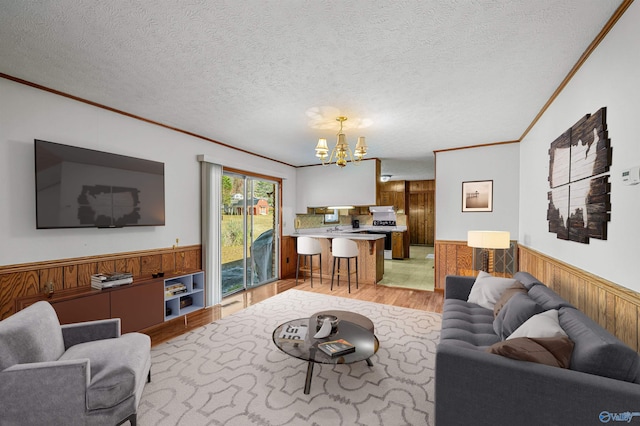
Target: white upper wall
322, 186
609, 79
27, 113
499, 163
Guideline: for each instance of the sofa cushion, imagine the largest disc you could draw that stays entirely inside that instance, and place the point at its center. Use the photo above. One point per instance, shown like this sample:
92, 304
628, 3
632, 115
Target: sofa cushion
112, 380
596, 350
516, 311
545, 324
467, 324
527, 279
31, 335
548, 298
515, 288
487, 289
553, 351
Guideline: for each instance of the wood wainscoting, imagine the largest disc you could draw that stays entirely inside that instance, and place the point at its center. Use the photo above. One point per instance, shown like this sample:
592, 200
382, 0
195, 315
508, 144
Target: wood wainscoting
615, 308
30, 279
454, 258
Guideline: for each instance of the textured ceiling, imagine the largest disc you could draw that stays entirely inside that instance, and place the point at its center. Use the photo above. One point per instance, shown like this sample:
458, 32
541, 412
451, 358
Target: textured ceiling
271, 76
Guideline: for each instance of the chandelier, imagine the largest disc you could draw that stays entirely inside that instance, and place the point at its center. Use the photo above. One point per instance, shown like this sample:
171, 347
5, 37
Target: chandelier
341, 153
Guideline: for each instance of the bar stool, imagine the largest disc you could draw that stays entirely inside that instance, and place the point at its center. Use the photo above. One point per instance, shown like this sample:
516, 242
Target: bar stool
344, 248
308, 247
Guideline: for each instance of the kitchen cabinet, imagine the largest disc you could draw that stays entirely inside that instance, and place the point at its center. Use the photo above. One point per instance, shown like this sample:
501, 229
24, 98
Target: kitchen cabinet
393, 194
397, 245
333, 186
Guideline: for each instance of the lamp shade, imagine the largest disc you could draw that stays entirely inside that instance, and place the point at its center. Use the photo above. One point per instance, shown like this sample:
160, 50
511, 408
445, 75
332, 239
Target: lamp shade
489, 239
322, 145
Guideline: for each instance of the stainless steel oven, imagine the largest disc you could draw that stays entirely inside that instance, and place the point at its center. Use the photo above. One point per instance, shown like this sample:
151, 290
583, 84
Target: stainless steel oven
384, 218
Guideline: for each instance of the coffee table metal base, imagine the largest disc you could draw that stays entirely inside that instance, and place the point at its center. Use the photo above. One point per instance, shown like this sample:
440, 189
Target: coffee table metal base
307, 382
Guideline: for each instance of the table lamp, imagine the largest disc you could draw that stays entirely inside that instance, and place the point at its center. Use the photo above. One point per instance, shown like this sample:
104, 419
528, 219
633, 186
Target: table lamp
488, 240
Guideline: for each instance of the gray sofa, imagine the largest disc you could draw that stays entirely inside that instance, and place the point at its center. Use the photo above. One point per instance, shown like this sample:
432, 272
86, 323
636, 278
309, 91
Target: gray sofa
475, 387
76, 374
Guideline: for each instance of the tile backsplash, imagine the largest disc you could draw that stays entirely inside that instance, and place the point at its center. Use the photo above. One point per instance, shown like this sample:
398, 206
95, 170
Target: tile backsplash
304, 221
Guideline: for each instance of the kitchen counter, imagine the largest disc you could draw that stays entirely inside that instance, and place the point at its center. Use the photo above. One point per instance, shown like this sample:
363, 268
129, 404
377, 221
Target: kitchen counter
348, 232
339, 234
370, 248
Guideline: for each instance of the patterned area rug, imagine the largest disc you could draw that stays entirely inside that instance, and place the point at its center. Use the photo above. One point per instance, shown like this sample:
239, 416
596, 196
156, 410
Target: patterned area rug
231, 373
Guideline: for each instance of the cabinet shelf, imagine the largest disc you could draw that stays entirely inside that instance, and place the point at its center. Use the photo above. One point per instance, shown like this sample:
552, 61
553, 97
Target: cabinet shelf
194, 284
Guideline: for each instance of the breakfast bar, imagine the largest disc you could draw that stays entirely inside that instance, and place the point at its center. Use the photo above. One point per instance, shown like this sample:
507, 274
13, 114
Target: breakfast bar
370, 248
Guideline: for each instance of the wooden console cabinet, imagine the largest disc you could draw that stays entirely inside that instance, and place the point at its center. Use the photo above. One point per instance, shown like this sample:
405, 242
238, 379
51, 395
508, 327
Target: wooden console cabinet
86, 306
139, 305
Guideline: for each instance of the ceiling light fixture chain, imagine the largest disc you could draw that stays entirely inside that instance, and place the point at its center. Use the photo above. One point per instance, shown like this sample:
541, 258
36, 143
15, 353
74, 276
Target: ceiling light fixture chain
341, 153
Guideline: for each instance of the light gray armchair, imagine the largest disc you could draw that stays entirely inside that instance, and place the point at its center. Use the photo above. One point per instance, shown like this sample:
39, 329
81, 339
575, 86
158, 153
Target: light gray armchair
76, 374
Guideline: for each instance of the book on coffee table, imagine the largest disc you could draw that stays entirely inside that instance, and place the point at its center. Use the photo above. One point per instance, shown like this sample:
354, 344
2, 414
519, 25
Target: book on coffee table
294, 333
337, 347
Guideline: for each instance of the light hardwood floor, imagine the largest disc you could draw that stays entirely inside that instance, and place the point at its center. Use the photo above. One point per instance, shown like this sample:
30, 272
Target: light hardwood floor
406, 298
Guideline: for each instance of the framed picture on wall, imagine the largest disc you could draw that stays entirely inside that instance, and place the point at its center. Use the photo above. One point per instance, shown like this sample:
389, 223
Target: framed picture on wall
477, 196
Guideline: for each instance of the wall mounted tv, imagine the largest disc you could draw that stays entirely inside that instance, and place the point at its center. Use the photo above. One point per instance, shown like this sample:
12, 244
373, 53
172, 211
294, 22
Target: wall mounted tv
83, 188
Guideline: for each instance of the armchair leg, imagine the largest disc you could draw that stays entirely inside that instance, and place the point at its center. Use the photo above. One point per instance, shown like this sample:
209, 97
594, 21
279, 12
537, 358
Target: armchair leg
132, 419
149, 377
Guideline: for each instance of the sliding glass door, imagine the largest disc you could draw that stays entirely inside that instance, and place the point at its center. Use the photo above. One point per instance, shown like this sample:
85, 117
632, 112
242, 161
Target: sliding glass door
249, 243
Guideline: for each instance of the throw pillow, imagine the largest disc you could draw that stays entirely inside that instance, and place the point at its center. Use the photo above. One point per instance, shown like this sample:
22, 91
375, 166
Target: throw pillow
516, 311
545, 324
515, 288
553, 351
487, 289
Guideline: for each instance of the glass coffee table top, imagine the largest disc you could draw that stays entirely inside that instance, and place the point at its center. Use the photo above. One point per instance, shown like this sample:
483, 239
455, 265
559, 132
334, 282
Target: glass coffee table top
365, 342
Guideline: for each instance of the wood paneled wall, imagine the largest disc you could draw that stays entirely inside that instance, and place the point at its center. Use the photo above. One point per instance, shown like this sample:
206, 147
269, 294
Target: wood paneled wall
452, 258
31, 278
615, 308
392, 193
421, 210
417, 199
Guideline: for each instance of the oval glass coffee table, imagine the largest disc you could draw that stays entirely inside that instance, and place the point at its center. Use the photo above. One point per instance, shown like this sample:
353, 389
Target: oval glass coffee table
365, 342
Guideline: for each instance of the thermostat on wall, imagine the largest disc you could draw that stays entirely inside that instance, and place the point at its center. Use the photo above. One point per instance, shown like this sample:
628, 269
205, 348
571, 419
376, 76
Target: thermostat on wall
631, 176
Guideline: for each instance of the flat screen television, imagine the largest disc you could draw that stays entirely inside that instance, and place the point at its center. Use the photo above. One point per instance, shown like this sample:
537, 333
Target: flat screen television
84, 188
